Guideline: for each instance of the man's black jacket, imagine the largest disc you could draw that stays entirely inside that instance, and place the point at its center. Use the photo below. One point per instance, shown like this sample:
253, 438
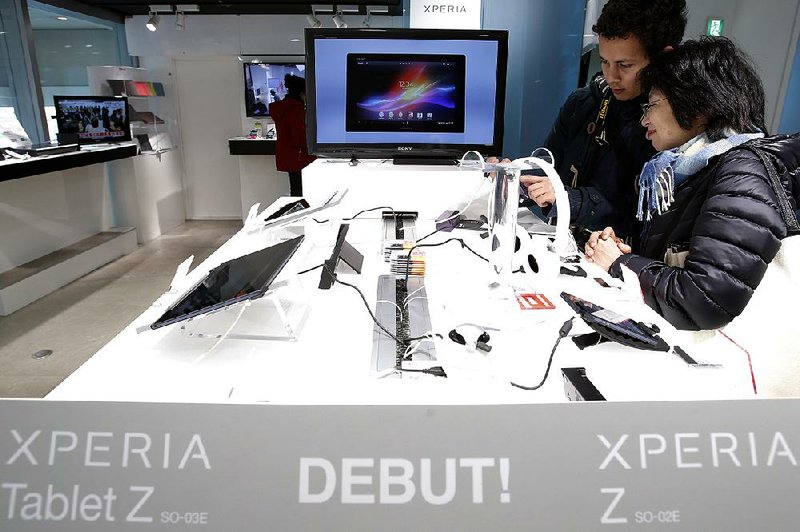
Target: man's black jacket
605, 195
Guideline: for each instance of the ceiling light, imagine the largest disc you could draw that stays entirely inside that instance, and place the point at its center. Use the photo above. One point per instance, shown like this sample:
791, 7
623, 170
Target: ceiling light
180, 21
62, 18
294, 40
313, 21
152, 22
338, 20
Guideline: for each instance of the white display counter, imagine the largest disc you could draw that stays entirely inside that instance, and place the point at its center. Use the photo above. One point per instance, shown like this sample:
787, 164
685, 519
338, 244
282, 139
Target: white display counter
329, 363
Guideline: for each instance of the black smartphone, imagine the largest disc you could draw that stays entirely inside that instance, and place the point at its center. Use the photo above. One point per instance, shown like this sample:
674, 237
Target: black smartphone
615, 326
289, 208
475, 225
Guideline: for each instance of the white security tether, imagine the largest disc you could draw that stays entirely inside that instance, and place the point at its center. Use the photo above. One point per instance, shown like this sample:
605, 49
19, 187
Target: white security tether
563, 240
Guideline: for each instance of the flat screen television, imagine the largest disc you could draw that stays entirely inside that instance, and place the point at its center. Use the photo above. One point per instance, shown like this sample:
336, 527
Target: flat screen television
389, 93
263, 84
93, 118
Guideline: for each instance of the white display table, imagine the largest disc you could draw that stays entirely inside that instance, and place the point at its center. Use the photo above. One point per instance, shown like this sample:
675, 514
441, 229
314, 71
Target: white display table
329, 362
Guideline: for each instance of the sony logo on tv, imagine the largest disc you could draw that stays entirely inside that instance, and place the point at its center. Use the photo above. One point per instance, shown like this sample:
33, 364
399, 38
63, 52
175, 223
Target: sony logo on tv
404, 148
444, 8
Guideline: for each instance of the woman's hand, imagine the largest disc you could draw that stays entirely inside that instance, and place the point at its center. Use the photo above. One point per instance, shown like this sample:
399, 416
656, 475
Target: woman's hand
604, 247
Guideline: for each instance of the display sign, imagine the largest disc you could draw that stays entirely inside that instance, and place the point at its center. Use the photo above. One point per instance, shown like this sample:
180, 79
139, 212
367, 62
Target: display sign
715, 27
445, 14
72, 466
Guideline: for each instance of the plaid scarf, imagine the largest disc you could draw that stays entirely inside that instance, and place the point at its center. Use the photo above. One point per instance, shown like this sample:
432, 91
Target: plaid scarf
669, 169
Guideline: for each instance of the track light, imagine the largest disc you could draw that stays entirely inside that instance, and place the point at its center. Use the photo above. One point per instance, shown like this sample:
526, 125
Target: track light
152, 22
339, 20
180, 20
312, 19
367, 20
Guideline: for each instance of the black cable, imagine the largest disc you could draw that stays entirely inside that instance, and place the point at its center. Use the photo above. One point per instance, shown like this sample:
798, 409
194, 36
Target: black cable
311, 269
562, 332
356, 215
429, 335
429, 234
437, 371
461, 241
364, 299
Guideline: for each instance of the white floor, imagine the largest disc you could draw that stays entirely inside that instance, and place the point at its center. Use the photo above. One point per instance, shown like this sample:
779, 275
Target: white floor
78, 319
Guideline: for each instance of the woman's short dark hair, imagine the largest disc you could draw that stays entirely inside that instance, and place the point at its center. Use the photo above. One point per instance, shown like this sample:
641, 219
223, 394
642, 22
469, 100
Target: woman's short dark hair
656, 23
709, 79
295, 85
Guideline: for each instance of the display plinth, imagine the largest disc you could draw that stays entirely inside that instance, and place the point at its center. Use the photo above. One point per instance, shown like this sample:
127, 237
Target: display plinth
279, 315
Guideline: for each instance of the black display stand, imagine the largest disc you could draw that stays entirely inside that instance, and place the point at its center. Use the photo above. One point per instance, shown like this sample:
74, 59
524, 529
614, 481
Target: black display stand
344, 251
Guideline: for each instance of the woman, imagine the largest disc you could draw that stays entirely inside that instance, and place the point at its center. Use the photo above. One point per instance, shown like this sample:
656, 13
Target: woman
712, 224
597, 141
291, 150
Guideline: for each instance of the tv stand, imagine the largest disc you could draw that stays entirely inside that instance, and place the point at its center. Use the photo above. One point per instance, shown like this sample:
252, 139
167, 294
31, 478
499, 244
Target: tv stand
440, 160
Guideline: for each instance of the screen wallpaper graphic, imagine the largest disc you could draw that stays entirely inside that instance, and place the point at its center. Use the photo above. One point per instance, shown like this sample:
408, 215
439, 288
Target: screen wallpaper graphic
393, 92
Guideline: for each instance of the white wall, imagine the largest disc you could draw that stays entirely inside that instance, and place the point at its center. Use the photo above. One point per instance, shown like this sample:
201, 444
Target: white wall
209, 114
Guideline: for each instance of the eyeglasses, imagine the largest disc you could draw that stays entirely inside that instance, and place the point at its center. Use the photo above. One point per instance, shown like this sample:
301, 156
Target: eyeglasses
646, 106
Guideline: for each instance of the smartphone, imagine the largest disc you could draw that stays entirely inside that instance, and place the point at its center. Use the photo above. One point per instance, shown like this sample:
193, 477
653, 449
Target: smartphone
289, 208
615, 326
475, 225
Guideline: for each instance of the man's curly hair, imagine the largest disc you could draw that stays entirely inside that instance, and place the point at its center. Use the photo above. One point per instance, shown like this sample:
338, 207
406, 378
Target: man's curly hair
657, 23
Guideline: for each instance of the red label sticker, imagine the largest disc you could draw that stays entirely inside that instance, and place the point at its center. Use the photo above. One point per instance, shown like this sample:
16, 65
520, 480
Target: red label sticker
534, 302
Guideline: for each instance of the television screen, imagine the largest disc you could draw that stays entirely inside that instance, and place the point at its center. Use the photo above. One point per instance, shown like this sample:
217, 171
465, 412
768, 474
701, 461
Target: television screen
239, 279
388, 92
263, 84
93, 118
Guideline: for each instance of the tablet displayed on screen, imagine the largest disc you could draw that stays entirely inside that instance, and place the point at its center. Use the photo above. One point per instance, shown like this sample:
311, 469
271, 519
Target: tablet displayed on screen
239, 279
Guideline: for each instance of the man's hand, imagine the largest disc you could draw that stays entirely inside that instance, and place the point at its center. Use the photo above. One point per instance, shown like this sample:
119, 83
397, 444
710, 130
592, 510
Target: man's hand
540, 189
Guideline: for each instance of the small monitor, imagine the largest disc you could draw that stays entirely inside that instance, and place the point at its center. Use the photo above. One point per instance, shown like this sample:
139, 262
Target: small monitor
263, 85
93, 118
239, 279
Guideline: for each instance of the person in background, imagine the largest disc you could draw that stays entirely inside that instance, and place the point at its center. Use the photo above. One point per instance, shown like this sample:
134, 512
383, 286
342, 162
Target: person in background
597, 142
712, 222
291, 150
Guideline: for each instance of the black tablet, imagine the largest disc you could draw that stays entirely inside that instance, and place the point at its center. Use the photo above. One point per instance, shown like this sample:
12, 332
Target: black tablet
615, 326
239, 279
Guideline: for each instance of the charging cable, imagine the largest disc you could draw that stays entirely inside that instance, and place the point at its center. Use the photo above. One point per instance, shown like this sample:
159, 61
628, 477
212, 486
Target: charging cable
562, 332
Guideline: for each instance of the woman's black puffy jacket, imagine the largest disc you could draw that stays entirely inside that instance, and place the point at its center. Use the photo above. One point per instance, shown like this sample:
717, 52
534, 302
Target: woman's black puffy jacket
726, 216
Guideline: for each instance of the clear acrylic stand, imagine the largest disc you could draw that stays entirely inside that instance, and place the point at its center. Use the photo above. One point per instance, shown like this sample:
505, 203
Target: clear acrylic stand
278, 315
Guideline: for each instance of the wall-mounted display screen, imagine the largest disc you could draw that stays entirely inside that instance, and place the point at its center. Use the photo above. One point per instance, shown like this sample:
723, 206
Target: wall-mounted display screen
263, 84
93, 118
380, 93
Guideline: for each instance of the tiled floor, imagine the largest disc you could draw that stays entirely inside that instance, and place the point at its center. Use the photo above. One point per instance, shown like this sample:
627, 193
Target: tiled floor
78, 319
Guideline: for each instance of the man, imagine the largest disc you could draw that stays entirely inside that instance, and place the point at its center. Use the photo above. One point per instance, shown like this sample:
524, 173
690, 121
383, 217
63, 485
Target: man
597, 141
